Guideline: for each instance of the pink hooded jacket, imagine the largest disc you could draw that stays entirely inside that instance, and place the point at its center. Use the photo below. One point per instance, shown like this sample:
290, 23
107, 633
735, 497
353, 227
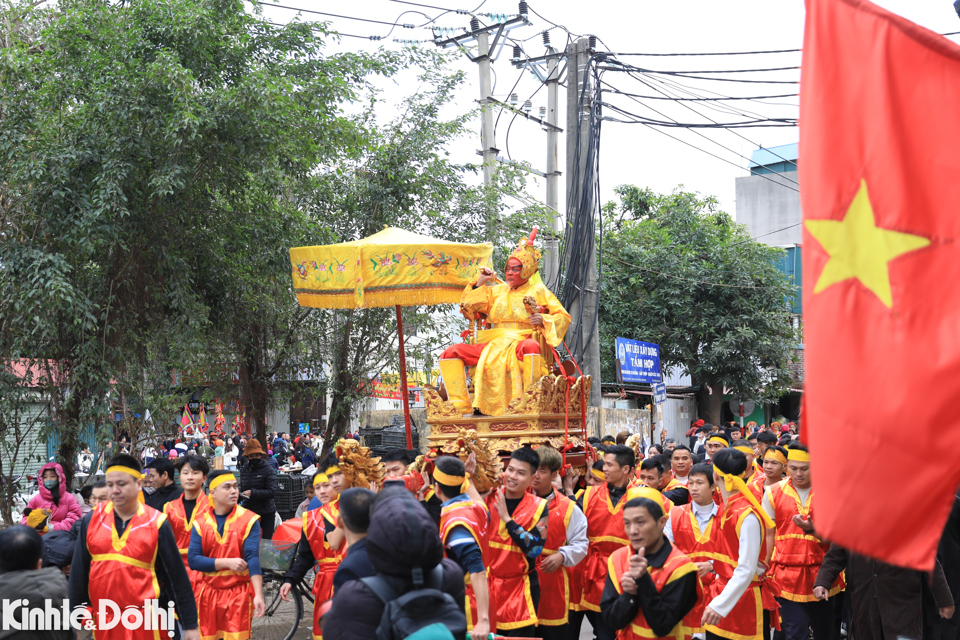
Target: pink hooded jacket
63, 514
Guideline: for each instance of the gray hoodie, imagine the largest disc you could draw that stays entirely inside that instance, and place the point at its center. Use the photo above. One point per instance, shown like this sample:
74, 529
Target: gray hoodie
36, 586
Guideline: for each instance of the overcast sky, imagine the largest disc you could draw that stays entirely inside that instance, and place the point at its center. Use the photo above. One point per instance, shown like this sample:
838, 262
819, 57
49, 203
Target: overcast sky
631, 153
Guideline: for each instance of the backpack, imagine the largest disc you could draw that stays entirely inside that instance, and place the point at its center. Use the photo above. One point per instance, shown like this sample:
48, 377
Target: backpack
425, 605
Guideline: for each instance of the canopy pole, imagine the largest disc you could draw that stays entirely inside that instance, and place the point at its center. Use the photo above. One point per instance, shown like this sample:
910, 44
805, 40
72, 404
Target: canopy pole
403, 380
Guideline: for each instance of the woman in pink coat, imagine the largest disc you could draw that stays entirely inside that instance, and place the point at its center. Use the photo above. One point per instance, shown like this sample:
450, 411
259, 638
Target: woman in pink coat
64, 510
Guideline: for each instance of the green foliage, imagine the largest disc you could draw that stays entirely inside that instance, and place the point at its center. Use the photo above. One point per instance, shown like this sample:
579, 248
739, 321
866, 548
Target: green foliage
140, 144
680, 273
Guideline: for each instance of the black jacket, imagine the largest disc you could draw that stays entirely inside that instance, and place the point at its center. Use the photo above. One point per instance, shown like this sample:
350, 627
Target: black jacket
260, 478
163, 495
401, 535
36, 586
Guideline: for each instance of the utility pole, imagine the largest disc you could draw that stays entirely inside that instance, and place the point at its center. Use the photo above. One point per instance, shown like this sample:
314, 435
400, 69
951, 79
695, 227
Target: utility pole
585, 329
487, 51
552, 239
488, 136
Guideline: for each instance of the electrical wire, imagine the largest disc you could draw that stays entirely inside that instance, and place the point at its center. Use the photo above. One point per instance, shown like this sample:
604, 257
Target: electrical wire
336, 15
316, 28
693, 77
724, 99
506, 138
688, 107
714, 53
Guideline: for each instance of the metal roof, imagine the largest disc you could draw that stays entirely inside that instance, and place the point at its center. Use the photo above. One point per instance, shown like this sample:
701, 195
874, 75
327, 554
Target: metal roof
773, 155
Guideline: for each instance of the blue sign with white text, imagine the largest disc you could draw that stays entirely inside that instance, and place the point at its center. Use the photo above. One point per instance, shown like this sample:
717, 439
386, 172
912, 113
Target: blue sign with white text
639, 361
659, 393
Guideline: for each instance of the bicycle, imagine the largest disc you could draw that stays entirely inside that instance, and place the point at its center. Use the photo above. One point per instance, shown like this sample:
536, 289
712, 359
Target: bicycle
281, 618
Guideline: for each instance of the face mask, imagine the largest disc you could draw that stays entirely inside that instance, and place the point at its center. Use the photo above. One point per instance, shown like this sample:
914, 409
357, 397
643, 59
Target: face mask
51, 484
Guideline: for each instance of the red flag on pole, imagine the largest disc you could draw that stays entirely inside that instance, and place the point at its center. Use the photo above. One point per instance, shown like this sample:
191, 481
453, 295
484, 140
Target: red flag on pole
186, 419
880, 192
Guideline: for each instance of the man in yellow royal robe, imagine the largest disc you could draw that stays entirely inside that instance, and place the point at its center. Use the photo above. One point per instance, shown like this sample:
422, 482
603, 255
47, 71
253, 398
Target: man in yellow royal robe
510, 356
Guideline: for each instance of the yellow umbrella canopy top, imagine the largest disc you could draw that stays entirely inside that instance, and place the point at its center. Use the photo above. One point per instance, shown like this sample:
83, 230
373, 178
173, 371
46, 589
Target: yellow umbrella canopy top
392, 267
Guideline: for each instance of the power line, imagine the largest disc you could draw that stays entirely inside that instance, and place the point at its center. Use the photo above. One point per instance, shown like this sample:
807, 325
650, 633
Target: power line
705, 138
759, 175
686, 106
720, 53
724, 99
316, 28
336, 15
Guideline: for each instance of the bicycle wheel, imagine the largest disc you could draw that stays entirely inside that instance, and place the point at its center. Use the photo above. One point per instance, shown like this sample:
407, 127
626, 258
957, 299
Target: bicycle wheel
281, 617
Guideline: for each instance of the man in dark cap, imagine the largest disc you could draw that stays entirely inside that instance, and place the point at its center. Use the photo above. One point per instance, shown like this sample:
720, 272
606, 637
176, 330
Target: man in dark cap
402, 537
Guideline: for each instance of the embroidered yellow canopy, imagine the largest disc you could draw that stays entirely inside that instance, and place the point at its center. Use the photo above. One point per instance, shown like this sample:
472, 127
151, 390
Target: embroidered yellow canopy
390, 268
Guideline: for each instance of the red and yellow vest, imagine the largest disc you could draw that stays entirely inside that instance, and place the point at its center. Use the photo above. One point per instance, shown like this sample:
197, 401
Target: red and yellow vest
472, 516
797, 555
328, 558
555, 586
182, 527
605, 534
123, 568
575, 575
745, 620
676, 566
229, 544
699, 546
507, 568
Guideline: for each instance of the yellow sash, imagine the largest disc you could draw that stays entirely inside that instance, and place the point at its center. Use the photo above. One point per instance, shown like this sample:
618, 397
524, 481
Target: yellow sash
489, 335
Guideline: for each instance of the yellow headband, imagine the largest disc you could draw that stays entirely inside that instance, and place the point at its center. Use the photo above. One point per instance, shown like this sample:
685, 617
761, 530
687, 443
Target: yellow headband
219, 480
320, 478
122, 469
746, 450
798, 456
775, 455
719, 440
645, 492
598, 473
329, 471
446, 479
736, 483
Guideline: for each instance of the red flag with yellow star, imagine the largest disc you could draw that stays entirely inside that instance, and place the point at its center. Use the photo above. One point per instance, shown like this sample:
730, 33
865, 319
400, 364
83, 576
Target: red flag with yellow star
880, 193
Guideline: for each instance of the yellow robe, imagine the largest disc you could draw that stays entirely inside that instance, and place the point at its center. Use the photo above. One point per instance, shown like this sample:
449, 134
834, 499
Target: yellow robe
498, 379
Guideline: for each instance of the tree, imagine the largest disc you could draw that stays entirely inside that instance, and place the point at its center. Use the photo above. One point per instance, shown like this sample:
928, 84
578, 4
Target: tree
680, 273
133, 135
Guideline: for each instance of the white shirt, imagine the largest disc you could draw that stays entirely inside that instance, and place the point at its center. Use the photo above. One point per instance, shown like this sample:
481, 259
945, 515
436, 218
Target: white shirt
703, 515
750, 539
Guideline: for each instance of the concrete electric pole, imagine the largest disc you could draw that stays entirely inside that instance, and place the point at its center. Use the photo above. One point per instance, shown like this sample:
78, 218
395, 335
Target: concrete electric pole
583, 309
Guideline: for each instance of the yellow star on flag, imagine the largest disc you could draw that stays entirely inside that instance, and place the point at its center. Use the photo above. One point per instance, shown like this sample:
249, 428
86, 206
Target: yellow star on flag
859, 249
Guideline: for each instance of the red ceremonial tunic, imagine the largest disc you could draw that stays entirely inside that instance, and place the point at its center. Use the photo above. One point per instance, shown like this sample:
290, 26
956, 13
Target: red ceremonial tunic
605, 534
328, 558
507, 570
225, 600
699, 546
745, 620
575, 574
182, 526
123, 568
797, 555
676, 566
555, 586
472, 516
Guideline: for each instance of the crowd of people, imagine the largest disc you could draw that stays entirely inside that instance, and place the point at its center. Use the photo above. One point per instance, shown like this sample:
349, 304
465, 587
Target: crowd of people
713, 538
